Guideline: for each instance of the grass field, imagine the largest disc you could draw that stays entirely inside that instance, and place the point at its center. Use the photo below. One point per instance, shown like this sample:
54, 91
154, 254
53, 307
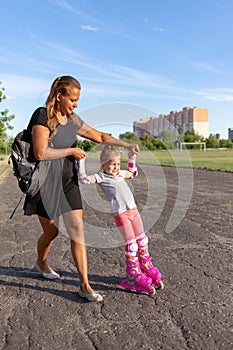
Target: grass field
221, 160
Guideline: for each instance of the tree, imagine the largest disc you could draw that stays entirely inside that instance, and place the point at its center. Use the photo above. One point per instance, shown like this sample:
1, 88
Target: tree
5, 120
147, 141
226, 143
86, 145
180, 130
129, 136
192, 136
167, 136
167, 139
212, 142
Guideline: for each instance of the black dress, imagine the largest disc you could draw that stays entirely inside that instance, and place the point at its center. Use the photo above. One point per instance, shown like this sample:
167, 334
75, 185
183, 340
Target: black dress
59, 191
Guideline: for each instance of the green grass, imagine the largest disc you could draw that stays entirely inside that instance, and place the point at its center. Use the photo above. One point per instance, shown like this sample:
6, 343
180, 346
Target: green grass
221, 160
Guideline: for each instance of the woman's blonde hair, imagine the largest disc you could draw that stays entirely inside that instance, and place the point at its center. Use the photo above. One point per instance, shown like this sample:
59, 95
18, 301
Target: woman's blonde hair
109, 153
61, 84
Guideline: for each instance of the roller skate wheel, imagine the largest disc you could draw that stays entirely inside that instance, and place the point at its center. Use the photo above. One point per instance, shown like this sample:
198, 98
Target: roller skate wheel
153, 290
161, 285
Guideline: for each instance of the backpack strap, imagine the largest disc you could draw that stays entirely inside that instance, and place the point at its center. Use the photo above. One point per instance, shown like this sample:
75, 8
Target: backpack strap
13, 212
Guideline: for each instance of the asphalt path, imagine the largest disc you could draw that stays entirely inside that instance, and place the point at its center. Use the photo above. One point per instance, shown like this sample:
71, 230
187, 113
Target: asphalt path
188, 216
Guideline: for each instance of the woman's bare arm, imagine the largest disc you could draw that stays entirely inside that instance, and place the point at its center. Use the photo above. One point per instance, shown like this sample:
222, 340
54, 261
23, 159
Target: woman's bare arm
40, 139
101, 137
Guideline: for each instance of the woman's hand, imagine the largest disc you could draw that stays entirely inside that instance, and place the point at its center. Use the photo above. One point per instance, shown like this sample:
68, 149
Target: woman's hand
77, 153
134, 148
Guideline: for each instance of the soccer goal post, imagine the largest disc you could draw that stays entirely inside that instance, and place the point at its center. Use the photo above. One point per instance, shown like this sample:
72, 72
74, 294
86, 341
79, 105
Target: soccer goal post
201, 144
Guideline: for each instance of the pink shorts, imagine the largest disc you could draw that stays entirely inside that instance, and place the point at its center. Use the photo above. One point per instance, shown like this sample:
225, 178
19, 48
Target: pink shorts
129, 224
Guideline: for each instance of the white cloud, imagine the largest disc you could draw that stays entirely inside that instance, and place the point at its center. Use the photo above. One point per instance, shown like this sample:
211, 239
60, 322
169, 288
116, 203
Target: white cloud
138, 78
100, 78
23, 86
90, 28
66, 6
201, 66
158, 29
220, 95
105, 72
219, 98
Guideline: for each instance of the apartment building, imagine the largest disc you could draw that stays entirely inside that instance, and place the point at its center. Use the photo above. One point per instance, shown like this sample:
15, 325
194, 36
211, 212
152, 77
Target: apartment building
230, 134
189, 118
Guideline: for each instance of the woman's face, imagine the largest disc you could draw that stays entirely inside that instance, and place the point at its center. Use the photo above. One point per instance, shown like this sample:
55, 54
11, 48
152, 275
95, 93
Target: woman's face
68, 103
112, 167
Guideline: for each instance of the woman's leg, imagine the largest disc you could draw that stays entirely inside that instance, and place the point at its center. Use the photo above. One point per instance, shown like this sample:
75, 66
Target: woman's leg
74, 226
50, 232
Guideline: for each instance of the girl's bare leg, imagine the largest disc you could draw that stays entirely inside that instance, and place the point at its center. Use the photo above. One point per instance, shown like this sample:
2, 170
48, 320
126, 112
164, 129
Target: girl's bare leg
74, 226
50, 232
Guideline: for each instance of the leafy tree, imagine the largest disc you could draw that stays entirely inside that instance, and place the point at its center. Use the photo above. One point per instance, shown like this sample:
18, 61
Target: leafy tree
181, 133
192, 136
167, 135
168, 138
5, 120
129, 136
226, 143
86, 145
158, 144
147, 141
212, 142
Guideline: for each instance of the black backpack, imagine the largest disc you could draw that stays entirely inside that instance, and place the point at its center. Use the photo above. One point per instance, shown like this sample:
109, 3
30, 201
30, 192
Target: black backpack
25, 165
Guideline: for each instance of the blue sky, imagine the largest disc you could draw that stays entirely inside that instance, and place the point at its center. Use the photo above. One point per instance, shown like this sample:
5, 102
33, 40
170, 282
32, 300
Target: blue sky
134, 58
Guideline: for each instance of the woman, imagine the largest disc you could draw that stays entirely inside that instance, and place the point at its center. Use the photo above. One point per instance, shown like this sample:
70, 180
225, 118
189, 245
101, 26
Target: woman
54, 137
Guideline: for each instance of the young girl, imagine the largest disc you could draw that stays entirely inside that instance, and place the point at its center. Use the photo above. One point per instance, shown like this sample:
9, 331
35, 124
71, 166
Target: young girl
142, 275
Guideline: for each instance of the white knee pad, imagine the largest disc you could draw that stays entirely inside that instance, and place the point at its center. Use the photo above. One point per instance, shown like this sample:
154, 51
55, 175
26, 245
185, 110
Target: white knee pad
143, 242
131, 248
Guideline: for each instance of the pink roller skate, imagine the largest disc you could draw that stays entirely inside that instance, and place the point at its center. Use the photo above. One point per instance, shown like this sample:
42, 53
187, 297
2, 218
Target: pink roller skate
151, 271
137, 281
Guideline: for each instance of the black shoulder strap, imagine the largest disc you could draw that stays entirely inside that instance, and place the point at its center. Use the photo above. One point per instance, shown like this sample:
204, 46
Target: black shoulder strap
13, 212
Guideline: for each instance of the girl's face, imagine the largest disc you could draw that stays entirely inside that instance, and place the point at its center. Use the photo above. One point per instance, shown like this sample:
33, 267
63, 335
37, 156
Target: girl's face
112, 167
68, 103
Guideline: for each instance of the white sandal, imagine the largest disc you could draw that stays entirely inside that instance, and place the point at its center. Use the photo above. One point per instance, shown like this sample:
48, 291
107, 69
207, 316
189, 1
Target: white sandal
90, 296
49, 276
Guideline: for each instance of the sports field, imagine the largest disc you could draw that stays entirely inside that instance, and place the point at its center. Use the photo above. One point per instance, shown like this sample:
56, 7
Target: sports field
221, 160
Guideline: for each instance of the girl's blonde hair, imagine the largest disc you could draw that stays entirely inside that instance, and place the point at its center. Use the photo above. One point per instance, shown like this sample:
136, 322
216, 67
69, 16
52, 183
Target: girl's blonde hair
109, 153
61, 84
